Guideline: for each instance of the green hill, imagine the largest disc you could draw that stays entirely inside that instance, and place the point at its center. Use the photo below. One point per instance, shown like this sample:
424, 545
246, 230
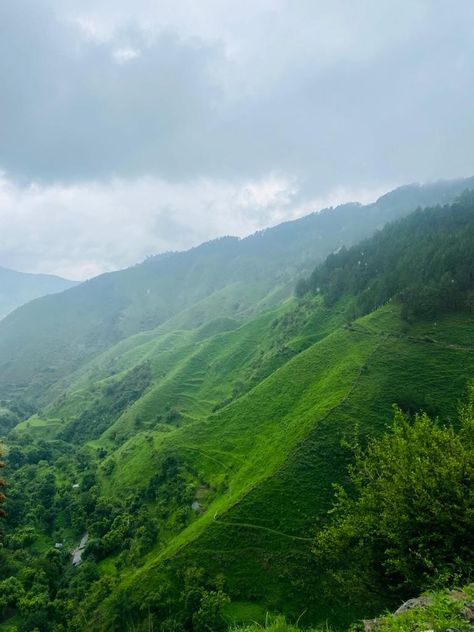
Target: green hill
18, 288
47, 340
425, 262
200, 455
276, 452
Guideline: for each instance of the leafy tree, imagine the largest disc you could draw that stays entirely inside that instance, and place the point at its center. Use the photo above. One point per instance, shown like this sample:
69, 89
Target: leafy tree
209, 617
11, 591
406, 521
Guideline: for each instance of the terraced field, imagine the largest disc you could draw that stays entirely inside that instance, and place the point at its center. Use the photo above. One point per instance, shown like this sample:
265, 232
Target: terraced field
268, 459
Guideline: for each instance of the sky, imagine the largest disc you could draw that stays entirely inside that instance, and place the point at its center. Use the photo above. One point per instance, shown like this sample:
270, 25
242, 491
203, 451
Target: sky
133, 128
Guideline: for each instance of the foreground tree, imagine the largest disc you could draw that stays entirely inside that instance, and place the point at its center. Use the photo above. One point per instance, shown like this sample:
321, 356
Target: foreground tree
405, 522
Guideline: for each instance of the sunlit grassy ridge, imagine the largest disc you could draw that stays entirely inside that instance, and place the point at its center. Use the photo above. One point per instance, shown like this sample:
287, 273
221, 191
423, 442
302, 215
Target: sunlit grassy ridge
263, 457
191, 372
269, 458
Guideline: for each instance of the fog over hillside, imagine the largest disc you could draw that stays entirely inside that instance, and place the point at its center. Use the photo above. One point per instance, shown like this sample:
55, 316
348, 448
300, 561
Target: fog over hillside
18, 288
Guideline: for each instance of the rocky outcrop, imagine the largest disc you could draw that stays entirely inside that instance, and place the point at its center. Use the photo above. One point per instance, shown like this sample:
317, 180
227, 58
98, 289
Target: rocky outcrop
417, 602
466, 612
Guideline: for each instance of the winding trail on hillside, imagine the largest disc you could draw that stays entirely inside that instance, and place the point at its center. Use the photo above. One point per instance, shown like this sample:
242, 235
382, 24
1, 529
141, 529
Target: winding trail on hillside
382, 338
413, 339
362, 369
357, 329
207, 456
262, 528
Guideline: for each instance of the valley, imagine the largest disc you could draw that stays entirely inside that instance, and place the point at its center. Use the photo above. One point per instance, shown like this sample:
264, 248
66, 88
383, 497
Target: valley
196, 432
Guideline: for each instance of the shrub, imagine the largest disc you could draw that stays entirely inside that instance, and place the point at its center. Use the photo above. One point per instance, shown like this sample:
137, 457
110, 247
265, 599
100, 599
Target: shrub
406, 521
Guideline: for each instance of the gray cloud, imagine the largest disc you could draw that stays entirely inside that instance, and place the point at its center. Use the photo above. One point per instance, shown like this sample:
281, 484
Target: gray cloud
80, 230
78, 108
222, 96
318, 90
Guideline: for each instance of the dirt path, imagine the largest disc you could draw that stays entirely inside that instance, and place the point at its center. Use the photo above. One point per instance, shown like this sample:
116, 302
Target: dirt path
408, 338
262, 528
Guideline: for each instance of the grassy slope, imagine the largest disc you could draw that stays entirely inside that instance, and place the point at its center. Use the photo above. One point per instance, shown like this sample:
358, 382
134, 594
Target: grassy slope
193, 371
46, 341
445, 611
275, 452
268, 459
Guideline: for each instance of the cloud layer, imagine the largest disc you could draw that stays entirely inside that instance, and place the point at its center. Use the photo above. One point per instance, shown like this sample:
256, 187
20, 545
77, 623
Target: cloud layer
145, 107
80, 230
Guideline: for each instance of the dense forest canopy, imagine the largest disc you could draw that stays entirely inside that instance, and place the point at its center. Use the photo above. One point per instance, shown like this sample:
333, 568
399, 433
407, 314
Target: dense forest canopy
425, 261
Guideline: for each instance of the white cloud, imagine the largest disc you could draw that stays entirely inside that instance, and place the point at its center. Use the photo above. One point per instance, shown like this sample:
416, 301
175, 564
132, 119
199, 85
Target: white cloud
338, 93
123, 55
80, 230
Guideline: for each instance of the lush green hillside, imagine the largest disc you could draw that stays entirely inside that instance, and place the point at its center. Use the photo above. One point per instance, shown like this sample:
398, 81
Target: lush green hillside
43, 342
260, 529
261, 469
200, 455
441, 610
18, 288
424, 261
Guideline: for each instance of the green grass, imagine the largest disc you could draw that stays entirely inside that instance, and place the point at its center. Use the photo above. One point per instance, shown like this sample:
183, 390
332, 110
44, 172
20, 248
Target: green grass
263, 410
275, 624
442, 613
273, 454
239, 612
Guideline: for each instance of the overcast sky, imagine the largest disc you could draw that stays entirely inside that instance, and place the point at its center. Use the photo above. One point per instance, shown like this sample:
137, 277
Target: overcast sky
128, 128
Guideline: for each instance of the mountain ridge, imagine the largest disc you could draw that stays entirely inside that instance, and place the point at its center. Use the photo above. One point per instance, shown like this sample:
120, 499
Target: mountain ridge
18, 288
228, 276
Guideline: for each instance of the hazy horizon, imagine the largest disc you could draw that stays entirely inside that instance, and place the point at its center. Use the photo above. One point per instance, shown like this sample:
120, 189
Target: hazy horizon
303, 212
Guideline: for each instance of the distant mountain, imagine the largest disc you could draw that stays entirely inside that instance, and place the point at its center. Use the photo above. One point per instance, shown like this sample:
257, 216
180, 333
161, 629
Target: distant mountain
45, 341
206, 457
18, 288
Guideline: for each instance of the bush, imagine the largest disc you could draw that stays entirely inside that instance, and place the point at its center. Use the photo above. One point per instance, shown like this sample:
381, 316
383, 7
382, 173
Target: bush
406, 521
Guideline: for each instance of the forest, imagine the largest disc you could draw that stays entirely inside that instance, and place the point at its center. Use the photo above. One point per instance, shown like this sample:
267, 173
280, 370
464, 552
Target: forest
424, 262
